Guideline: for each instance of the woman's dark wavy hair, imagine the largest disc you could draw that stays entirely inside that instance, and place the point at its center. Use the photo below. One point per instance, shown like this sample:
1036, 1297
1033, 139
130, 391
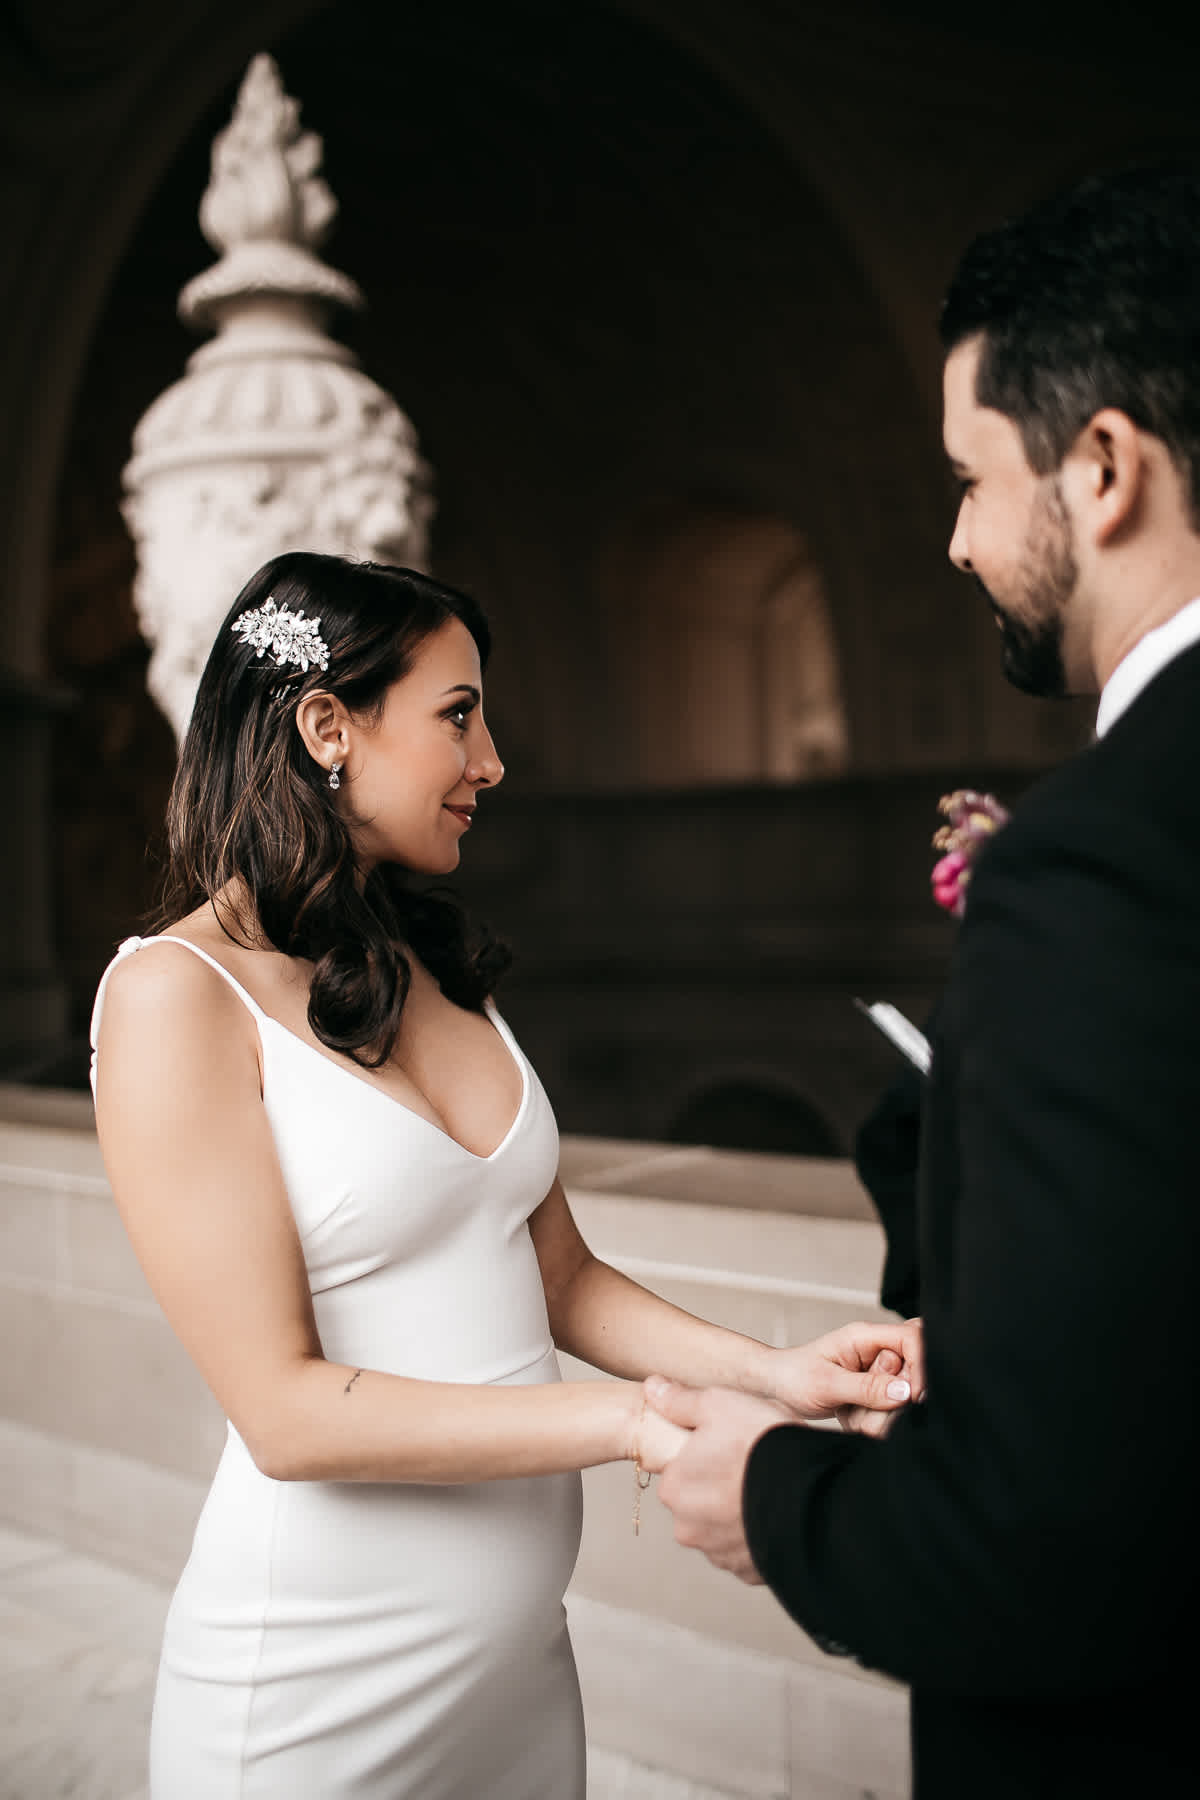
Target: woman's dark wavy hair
252, 809
1091, 300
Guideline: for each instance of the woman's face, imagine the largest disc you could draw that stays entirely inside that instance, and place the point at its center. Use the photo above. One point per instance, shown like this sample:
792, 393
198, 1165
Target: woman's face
410, 780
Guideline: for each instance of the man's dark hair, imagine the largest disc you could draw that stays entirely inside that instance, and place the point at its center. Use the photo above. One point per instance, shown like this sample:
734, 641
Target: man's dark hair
1091, 300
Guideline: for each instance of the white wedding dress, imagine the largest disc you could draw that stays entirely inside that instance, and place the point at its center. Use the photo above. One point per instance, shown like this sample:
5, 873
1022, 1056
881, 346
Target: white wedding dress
331, 1640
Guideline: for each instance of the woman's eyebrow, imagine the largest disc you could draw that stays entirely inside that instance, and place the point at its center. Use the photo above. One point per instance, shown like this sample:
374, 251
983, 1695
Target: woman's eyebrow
462, 687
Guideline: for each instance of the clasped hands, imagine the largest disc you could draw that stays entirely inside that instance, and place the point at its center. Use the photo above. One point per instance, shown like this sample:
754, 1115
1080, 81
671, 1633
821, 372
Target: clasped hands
699, 1439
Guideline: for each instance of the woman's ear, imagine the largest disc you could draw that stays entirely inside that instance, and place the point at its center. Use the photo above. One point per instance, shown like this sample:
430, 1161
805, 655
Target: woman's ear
324, 723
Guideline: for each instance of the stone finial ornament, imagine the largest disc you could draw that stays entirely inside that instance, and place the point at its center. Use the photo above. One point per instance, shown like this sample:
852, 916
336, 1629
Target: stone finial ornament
266, 184
266, 207
274, 439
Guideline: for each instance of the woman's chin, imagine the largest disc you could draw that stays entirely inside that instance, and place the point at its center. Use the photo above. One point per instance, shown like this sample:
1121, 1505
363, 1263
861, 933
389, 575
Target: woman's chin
443, 864
440, 861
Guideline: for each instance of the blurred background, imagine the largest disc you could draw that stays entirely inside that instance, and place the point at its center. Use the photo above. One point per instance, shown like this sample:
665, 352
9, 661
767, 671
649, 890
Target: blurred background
656, 282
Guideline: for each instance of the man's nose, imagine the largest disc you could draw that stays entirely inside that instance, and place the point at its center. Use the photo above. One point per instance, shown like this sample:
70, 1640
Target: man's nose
957, 550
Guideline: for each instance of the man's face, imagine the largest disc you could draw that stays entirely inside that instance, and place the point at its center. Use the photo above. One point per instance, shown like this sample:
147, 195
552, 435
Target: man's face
1013, 532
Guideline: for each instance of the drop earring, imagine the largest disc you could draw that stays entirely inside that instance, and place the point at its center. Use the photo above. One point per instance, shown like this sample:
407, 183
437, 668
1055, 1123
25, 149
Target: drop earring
334, 777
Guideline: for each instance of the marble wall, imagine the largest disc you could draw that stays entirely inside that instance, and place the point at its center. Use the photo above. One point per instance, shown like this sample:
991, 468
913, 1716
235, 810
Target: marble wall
108, 1438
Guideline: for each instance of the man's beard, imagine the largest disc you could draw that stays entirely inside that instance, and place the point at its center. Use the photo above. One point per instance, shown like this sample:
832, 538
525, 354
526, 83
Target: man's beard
1032, 654
1033, 639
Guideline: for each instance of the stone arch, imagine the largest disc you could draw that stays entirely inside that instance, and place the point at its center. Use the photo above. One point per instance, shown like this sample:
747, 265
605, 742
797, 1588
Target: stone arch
746, 1112
173, 74
130, 95
806, 731
733, 659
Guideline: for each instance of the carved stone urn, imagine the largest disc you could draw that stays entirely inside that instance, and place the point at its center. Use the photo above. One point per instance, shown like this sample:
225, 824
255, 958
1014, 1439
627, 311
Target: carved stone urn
274, 439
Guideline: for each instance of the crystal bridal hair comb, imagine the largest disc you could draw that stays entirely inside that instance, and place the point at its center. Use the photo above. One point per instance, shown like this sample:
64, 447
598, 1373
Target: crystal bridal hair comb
290, 637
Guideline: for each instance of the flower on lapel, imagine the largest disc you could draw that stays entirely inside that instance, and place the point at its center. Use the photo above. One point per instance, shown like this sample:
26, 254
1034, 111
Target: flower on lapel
973, 819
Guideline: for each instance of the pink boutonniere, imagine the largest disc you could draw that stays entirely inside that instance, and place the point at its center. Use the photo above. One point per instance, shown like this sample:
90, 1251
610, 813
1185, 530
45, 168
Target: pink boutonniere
973, 819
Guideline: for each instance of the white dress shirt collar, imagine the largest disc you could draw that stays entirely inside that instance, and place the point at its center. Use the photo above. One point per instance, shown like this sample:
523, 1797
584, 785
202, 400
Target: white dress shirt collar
1149, 656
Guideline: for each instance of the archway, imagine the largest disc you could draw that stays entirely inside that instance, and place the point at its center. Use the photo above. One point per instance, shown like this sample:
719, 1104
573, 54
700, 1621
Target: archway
581, 306
732, 661
555, 283
747, 1114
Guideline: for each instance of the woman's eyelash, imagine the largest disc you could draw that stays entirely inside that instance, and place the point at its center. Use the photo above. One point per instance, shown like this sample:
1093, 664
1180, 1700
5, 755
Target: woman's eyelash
460, 712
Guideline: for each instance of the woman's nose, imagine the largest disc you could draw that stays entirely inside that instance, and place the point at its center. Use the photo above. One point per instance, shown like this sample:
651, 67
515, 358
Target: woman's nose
486, 768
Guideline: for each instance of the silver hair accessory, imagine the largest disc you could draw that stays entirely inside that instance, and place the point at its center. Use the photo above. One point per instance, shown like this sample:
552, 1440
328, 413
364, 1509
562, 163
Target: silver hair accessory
289, 636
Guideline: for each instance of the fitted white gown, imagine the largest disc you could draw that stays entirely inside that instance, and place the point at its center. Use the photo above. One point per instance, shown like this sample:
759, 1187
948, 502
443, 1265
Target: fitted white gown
331, 1640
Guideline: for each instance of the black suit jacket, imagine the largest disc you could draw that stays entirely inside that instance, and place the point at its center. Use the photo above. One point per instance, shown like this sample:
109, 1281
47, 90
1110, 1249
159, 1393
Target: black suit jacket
1023, 1547
887, 1157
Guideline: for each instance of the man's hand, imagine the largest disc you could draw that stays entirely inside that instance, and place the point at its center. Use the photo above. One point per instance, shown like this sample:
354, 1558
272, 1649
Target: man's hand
702, 1485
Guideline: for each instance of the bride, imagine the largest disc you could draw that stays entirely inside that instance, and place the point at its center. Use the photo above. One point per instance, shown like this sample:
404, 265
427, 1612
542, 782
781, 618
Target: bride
339, 1173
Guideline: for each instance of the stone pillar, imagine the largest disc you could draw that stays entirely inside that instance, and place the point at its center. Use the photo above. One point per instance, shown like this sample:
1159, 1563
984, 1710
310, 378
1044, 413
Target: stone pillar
275, 439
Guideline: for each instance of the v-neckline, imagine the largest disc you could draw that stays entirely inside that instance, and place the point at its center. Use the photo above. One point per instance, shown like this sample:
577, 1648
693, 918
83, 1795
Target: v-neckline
410, 1112
258, 1014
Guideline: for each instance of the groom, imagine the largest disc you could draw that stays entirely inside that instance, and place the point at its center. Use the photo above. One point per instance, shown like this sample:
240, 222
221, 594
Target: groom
1024, 1546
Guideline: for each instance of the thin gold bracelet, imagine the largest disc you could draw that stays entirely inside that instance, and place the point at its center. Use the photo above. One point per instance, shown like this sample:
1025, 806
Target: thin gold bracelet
641, 1477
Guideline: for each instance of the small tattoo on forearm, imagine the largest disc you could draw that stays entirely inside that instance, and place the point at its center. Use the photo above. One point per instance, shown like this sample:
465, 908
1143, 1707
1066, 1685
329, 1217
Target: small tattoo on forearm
352, 1381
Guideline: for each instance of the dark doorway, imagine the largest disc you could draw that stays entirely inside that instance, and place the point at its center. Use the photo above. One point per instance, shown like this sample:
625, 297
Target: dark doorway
750, 1115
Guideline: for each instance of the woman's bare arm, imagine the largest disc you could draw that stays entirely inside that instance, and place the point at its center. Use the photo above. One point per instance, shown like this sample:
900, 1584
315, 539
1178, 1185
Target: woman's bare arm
609, 1321
193, 1167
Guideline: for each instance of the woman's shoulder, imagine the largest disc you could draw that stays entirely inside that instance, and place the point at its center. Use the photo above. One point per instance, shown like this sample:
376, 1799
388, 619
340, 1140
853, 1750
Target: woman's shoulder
171, 985
170, 1037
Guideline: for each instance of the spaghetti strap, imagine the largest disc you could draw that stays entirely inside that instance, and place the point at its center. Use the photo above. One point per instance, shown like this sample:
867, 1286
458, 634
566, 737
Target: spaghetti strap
132, 944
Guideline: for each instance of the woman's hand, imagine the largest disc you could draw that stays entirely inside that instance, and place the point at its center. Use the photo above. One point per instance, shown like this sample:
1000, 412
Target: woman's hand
864, 1420
861, 1374
654, 1440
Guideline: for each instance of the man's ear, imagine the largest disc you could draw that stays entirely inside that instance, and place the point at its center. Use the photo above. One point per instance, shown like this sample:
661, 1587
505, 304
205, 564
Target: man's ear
1110, 470
323, 723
